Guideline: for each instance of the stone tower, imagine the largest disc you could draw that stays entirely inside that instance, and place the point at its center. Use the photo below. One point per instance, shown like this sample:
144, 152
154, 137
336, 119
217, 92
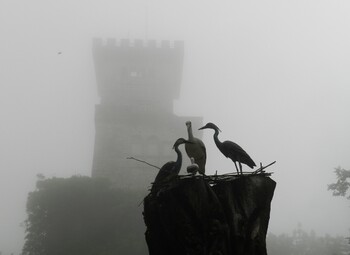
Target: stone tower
137, 84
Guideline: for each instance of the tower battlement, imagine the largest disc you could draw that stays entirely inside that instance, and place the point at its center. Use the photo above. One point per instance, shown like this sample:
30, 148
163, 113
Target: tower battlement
139, 70
127, 43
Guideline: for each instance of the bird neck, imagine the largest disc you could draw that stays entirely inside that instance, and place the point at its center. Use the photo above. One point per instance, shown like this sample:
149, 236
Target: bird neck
179, 156
216, 138
190, 134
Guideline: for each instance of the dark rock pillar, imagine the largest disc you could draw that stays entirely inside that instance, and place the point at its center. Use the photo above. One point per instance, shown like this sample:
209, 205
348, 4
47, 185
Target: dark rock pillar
193, 217
246, 202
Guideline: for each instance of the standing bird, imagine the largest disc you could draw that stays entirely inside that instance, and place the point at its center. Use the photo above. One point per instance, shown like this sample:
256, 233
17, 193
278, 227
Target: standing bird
196, 149
230, 149
170, 170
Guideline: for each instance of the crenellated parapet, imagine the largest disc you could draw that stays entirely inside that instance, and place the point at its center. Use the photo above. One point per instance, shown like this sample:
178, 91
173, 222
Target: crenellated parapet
137, 43
137, 70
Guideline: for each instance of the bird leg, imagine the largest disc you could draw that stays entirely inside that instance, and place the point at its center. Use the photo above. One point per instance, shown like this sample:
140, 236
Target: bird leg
240, 167
236, 167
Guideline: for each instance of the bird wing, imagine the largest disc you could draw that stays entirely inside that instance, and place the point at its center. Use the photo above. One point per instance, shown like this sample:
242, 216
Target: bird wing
165, 171
197, 151
203, 148
236, 153
231, 149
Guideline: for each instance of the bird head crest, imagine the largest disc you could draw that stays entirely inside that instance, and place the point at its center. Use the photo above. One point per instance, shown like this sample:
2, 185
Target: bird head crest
211, 126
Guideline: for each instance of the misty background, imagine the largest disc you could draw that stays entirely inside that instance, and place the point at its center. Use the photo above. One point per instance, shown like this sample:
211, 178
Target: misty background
273, 75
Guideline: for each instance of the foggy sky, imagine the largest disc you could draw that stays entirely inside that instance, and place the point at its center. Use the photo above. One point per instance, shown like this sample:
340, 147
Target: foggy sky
273, 75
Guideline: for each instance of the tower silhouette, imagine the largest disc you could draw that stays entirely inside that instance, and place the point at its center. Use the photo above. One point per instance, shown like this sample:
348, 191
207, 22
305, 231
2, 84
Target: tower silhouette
137, 84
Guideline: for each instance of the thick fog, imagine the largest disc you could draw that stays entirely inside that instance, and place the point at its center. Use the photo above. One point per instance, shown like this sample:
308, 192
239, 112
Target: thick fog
273, 75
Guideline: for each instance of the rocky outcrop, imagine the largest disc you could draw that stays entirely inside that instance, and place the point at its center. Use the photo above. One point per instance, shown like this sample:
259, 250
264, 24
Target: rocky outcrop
196, 216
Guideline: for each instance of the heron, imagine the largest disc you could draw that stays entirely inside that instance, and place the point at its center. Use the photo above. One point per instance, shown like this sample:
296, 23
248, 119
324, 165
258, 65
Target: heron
230, 149
170, 170
196, 149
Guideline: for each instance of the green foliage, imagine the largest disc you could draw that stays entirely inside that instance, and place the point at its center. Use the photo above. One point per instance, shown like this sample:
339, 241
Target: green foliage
342, 185
81, 215
302, 243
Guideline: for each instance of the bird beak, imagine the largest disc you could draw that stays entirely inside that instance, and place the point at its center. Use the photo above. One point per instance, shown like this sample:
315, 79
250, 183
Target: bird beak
201, 128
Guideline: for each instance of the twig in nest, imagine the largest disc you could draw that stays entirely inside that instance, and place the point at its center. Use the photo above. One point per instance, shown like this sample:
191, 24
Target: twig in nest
142, 161
262, 168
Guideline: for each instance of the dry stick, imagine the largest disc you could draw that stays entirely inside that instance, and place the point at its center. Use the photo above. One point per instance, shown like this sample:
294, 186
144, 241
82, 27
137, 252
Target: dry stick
262, 168
254, 172
142, 161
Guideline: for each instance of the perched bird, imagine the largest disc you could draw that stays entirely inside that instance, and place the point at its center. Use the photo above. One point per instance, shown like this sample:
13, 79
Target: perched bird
196, 149
193, 168
171, 169
230, 149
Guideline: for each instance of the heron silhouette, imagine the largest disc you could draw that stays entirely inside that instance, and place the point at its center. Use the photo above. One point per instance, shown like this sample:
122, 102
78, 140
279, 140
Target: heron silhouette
170, 170
196, 149
230, 149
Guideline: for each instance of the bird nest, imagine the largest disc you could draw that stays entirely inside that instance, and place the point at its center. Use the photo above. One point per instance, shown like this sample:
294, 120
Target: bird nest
212, 179
215, 179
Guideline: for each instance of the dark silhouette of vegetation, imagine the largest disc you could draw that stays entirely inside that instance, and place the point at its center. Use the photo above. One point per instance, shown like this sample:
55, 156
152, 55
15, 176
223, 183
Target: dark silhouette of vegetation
303, 243
342, 185
82, 215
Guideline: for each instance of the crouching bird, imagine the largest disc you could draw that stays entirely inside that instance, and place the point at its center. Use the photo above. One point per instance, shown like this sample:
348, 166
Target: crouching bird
170, 170
196, 149
193, 168
230, 149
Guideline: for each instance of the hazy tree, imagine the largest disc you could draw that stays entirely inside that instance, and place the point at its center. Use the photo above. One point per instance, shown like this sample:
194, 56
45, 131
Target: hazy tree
302, 243
81, 215
281, 244
342, 185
